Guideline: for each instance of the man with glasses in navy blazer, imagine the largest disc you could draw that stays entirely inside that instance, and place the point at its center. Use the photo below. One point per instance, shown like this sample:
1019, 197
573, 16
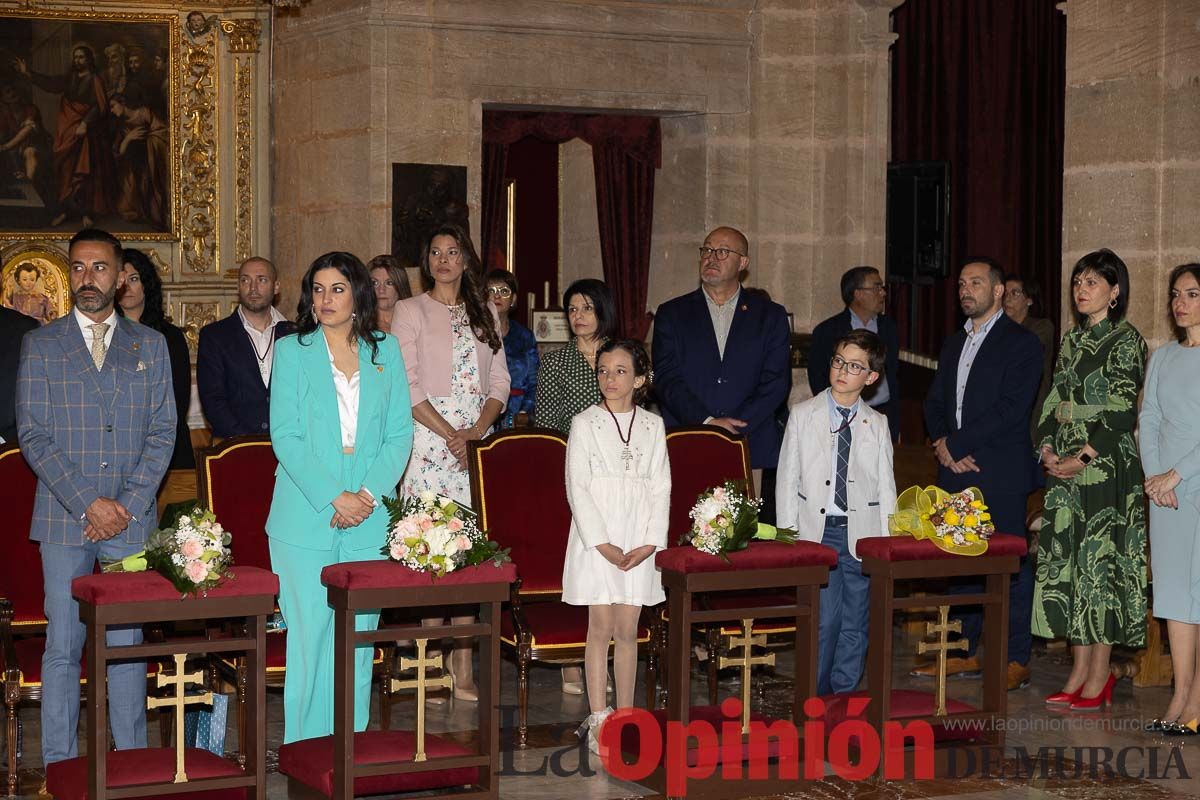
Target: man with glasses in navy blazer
96, 423
722, 353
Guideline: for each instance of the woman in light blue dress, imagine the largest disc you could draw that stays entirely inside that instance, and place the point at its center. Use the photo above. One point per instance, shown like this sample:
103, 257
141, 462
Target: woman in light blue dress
1170, 447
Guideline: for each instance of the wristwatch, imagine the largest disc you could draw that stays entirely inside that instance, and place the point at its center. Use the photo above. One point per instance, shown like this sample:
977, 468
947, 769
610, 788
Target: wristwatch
1084, 457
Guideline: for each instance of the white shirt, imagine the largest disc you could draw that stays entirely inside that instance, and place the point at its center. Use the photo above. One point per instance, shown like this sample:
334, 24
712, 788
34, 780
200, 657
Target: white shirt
263, 343
85, 327
882, 393
967, 358
347, 399
722, 317
835, 423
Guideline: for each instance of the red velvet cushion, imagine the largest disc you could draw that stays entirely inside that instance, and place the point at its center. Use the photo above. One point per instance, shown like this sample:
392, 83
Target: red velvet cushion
759, 555
631, 739
241, 482
21, 566
906, 548
554, 624
310, 761
68, 780
906, 703
523, 501
700, 460
390, 575
149, 586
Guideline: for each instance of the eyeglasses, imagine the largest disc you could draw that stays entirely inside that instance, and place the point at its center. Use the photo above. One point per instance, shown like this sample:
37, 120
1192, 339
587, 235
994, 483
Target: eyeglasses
853, 367
500, 291
877, 288
719, 253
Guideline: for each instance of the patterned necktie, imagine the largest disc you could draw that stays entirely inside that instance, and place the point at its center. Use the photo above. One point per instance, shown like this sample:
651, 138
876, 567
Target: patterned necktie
843, 460
99, 349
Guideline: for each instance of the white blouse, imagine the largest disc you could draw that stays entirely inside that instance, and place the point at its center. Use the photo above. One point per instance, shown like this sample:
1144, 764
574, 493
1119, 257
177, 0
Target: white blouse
347, 400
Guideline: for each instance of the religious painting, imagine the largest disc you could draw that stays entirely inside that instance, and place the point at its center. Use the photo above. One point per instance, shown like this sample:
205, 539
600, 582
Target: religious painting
87, 124
35, 283
425, 196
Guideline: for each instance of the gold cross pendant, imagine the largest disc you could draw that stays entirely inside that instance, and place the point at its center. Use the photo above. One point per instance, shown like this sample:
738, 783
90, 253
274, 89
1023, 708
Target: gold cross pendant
179, 701
748, 641
942, 629
422, 683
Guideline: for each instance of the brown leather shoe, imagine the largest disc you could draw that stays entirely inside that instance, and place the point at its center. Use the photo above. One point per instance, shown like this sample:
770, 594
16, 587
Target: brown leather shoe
955, 667
1018, 676
42, 792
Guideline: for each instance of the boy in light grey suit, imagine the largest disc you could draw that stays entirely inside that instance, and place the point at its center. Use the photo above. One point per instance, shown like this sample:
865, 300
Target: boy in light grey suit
96, 423
835, 485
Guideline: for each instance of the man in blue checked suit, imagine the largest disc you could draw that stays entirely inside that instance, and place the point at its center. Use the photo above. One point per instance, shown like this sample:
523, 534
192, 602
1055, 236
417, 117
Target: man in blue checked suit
96, 422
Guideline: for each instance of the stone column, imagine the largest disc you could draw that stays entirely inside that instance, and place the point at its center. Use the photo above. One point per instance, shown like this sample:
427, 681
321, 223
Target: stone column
1132, 144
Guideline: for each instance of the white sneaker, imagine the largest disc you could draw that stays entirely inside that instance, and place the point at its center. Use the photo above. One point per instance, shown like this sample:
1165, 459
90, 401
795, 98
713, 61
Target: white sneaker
591, 728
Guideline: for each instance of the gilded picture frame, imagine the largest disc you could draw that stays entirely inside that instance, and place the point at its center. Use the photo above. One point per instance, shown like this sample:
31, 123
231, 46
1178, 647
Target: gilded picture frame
35, 281
89, 128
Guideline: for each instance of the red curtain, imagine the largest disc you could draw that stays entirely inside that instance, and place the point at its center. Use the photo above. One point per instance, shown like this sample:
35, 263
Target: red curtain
491, 230
980, 84
626, 150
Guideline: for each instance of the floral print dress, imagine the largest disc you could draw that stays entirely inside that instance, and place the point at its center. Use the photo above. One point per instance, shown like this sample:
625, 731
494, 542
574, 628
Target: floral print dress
1091, 572
432, 467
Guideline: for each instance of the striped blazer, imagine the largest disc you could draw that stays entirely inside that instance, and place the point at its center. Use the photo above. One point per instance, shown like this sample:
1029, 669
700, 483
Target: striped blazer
91, 433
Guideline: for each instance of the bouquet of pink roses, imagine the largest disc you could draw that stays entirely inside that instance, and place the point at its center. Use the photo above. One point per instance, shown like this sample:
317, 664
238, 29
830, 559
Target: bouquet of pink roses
431, 533
193, 555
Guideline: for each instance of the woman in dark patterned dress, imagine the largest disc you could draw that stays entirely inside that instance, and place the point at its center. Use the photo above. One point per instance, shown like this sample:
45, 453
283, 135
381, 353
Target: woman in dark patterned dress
567, 382
567, 377
1091, 573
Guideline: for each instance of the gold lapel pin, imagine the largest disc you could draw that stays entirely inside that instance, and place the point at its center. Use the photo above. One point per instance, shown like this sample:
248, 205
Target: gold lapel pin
136, 346
745, 308
379, 369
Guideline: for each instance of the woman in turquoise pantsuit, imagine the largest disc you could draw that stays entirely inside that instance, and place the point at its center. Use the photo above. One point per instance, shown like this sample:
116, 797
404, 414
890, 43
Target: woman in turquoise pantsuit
1170, 447
341, 427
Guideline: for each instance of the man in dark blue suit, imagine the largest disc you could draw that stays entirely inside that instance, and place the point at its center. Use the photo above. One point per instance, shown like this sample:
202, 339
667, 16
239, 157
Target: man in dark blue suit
865, 294
977, 414
721, 354
233, 361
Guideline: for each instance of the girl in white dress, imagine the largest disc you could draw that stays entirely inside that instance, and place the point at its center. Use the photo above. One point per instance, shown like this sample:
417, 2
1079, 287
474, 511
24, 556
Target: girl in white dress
619, 489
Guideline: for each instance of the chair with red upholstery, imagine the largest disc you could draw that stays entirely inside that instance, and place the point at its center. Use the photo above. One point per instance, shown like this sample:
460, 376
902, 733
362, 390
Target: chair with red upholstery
518, 488
22, 595
704, 456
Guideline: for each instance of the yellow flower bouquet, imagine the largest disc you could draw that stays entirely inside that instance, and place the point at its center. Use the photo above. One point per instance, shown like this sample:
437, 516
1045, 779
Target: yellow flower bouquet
957, 523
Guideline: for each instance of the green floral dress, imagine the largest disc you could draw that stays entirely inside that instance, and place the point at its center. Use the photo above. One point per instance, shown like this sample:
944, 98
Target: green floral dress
1091, 572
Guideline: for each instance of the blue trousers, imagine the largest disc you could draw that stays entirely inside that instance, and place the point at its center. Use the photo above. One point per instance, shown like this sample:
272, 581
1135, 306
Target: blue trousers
303, 601
842, 625
65, 635
1008, 514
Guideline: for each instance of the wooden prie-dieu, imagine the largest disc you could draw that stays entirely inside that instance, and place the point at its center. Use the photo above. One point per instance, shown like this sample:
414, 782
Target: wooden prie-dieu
349, 764
142, 598
897, 564
796, 570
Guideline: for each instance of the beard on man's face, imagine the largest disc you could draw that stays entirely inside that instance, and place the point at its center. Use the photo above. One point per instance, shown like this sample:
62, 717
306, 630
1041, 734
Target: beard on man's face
91, 299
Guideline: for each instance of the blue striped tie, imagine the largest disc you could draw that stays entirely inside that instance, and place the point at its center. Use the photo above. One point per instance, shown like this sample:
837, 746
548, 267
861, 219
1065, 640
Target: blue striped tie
843, 460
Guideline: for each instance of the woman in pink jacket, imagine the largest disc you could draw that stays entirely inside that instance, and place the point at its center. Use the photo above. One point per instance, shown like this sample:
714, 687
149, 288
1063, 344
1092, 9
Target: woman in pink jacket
458, 381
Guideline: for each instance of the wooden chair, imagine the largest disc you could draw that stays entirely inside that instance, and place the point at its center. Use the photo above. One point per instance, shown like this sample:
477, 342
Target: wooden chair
704, 456
519, 492
22, 596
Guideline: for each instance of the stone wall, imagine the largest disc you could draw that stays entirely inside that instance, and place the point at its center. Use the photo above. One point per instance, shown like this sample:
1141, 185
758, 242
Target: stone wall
1132, 151
774, 119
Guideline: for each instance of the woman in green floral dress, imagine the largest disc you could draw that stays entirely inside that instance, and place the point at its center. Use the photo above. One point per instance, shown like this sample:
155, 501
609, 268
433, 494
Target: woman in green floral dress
1091, 573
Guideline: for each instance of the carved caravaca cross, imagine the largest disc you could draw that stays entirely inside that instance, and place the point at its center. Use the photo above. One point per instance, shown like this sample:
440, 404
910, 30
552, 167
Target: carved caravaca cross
422, 683
179, 701
747, 662
942, 629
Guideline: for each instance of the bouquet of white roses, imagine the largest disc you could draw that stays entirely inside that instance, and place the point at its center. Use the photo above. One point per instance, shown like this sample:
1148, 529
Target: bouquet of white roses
193, 555
725, 520
431, 533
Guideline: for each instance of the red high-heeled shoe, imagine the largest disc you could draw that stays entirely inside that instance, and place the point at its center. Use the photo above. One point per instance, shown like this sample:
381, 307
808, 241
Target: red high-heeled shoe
1064, 698
1094, 703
